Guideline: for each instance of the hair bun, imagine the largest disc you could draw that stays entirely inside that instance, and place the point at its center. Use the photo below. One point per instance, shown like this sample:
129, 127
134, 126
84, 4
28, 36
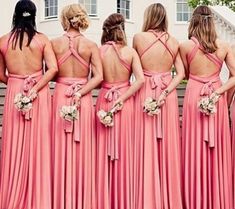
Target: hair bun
75, 16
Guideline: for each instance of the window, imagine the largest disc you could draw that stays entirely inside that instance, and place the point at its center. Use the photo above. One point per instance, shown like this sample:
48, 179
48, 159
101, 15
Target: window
51, 9
90, 5
183, 11
124, 8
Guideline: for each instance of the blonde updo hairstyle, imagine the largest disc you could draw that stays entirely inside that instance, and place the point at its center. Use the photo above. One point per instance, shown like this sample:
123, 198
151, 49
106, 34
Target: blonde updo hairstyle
114, 29
74, 16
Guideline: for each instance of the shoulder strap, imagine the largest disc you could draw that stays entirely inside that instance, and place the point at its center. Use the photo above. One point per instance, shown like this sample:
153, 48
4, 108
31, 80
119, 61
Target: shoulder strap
164, 43
192, 54
72, 51
122, 60
210, 56
38, 43
103, 50
158, 38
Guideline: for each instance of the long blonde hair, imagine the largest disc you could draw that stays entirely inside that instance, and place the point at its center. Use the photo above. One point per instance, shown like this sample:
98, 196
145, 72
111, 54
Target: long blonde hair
114, 29
75, 16
202, 27
155, 18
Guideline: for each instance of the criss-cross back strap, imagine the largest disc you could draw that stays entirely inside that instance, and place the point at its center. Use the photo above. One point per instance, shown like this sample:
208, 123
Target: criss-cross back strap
10, 38
72, 52
216, 60
39, 43
122, 60
158, 38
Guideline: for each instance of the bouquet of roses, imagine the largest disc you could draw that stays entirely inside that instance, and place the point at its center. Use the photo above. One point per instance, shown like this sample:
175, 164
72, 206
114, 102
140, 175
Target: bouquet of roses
69, 113
207, 105
23, 103
151, 106
106, 118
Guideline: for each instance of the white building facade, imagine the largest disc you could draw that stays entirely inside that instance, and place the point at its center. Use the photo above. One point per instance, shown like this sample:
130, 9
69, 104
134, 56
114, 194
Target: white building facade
179, 13
49, 11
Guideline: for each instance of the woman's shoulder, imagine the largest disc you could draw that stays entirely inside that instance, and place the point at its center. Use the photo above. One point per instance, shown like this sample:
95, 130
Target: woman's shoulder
221, 44
141, 36
5, 37
188, 44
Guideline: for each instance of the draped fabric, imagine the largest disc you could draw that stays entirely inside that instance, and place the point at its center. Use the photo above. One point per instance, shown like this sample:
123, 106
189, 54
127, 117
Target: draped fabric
115, 151
157, 148
25, 174
74, 149
206, 149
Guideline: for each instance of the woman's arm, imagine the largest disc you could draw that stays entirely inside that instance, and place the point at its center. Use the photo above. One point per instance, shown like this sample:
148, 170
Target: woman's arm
230, 62
96, 67
3, 77
175, 81
183, 55
232, 90
51, 64
139, 76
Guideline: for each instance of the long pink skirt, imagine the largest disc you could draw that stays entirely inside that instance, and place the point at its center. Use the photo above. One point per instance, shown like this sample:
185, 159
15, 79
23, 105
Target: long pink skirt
206, 149
74, 150
25, 181
115, 151
157, 148
233, 147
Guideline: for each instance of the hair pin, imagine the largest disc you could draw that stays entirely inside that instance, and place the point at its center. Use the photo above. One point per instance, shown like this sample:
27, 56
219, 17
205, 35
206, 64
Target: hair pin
26, 14
74, 19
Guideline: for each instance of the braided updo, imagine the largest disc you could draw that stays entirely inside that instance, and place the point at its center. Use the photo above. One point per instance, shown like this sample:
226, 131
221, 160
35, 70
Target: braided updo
114, 29
74, 16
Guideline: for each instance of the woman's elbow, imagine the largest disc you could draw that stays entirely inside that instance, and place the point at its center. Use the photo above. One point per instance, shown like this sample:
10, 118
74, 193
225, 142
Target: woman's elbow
141, 81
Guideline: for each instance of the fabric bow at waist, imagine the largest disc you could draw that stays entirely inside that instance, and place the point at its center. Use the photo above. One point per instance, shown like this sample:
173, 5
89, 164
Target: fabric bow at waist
208, 121
113, 90
74, 85
113, 132
159, 82
29, 82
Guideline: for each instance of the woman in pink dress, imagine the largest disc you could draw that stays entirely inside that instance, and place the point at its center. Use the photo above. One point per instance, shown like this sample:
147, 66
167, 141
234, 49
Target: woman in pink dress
157, 139
231, 103
206, 140
115, 144
25, 176
73, 141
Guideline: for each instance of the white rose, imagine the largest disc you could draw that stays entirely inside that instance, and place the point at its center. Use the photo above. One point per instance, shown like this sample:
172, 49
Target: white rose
108, 119
25, 99
101, 114
17, 98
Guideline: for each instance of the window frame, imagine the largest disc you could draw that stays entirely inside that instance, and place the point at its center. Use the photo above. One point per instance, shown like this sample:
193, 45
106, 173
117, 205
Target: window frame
125, 9
182, 12
50, 17
83, 2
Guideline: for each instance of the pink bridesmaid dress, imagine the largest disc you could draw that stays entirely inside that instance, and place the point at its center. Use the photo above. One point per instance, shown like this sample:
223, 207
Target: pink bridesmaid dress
206, 144
115, 147
25, 174
73, 142
157, 145
232, 109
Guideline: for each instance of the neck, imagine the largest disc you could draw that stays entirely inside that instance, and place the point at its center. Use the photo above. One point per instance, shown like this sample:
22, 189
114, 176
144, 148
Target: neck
72, 30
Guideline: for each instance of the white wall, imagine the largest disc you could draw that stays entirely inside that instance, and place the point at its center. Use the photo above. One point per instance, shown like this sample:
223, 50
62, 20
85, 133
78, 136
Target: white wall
105, 7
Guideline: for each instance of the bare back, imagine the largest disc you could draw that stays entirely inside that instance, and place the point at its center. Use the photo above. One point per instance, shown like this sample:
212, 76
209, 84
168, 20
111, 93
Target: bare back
26, 61
76, 62
157, 51
114, 70
200, 63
